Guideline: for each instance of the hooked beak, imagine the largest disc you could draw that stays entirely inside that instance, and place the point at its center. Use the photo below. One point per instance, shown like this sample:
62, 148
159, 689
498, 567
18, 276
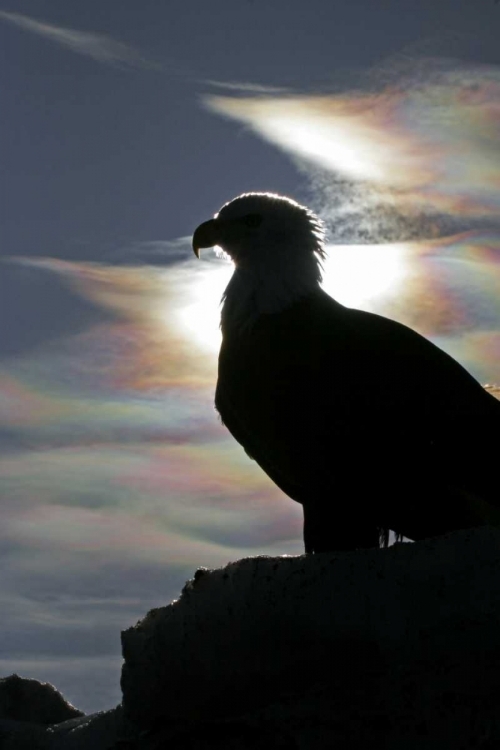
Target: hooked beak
206, 235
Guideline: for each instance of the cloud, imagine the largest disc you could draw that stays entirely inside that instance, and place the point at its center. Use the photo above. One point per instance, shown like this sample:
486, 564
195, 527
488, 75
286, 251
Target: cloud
414, 156
121, 479
152, 252
107, 400
99, 47
256, 88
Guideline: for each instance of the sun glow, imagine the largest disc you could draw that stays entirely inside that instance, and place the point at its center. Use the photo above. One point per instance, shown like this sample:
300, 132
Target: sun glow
337, 145
357, 275
340, 135
199, 318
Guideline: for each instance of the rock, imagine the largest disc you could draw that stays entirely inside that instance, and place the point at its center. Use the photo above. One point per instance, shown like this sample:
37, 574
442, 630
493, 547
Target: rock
24, 699
231, 735
396, 648
105, 730
20, 735
399, 648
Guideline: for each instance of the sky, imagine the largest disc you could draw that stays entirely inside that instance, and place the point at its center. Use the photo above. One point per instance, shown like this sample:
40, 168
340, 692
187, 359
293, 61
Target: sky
125, 125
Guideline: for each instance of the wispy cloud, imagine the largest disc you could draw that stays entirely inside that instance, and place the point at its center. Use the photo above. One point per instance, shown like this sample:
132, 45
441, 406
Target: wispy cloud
255, 88
99, 47
415, 156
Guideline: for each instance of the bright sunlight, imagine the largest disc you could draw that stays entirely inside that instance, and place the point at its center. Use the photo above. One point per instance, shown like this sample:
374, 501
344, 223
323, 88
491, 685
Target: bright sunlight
355, 275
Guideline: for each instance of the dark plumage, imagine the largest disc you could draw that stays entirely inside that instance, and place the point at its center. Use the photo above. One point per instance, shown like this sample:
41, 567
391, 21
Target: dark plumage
362, 420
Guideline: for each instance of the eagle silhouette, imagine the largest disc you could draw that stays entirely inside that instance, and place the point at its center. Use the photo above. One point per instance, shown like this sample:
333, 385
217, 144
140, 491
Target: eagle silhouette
360, 419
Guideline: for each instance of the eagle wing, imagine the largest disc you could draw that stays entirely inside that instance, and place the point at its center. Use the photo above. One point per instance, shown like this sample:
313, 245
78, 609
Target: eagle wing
345, 408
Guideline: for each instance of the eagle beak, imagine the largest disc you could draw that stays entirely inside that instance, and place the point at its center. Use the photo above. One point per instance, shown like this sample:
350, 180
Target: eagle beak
206, 235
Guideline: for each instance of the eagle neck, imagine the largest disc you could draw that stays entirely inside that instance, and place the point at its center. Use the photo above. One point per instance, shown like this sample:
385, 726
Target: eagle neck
255, 292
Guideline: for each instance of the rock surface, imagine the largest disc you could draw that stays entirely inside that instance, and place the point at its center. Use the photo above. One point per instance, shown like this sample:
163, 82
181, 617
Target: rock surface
24, 699
398, 646
395, 648
105, 730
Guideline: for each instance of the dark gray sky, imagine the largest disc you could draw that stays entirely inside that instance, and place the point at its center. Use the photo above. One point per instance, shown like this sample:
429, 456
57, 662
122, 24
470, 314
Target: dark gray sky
116, 480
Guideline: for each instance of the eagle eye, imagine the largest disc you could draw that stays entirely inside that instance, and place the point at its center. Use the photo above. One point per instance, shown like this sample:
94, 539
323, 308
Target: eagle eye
252, 220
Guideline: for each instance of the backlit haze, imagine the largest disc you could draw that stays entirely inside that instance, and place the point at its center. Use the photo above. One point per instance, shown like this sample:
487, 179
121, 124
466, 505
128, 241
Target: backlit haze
123, 133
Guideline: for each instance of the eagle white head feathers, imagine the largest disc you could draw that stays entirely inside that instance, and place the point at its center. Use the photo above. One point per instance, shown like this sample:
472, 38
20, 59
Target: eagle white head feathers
277, 247
360, 419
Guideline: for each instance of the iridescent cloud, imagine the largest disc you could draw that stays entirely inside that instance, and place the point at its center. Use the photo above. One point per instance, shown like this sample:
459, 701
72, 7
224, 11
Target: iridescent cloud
419, 158
119, 479
114, 442
118, 423
429, 141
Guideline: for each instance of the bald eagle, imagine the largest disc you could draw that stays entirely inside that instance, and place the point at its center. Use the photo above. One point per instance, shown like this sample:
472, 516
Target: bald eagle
360, 419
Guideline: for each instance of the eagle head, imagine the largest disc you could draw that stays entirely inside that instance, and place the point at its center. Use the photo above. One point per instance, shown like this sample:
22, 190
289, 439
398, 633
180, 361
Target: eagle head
257, 228
277, 247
